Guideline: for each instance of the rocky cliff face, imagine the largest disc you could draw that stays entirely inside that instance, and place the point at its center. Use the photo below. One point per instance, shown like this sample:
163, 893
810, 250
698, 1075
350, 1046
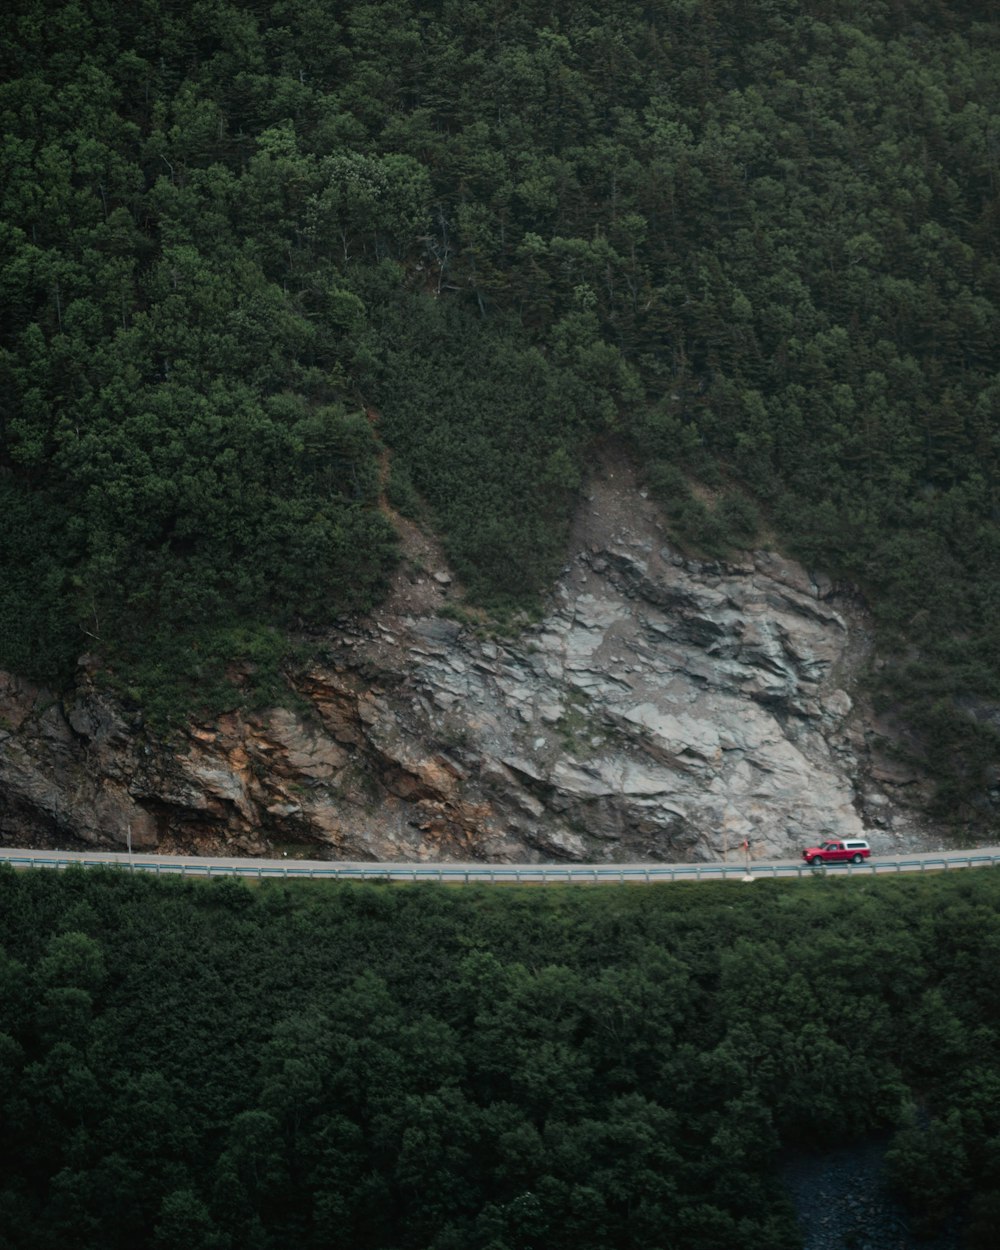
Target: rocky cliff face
664, 709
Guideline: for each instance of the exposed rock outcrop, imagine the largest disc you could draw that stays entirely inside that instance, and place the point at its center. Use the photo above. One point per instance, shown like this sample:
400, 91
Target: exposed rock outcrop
664, 708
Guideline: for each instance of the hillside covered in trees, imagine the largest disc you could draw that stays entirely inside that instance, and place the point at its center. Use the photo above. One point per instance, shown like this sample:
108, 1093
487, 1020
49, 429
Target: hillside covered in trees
259, 260
199, 1066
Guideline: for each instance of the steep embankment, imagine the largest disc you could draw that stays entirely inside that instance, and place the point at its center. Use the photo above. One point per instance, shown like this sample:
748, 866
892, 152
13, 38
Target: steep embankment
663, 708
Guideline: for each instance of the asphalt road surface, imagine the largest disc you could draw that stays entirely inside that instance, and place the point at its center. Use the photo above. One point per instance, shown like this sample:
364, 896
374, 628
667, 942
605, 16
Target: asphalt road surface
498, 874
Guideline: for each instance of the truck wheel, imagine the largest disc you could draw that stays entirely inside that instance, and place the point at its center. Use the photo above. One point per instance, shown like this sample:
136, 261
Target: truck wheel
857, 859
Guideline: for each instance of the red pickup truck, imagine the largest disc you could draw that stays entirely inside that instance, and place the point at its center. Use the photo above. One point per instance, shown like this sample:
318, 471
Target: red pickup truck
853, 851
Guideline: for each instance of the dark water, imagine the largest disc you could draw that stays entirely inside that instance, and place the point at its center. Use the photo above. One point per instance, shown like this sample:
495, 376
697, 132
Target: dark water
842, 1203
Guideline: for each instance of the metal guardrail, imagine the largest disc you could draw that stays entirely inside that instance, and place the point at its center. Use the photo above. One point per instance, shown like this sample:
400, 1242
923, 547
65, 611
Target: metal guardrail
499, 874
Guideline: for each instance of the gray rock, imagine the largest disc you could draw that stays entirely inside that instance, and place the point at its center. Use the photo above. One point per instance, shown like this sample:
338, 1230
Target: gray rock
437, 629
686, 704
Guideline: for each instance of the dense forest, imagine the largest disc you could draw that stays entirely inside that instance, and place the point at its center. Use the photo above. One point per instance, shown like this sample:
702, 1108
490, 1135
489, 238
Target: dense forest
261, 260
205, 1065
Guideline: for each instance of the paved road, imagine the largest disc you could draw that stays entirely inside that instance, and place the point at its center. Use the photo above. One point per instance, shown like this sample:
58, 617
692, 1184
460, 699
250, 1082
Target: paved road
583, 874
